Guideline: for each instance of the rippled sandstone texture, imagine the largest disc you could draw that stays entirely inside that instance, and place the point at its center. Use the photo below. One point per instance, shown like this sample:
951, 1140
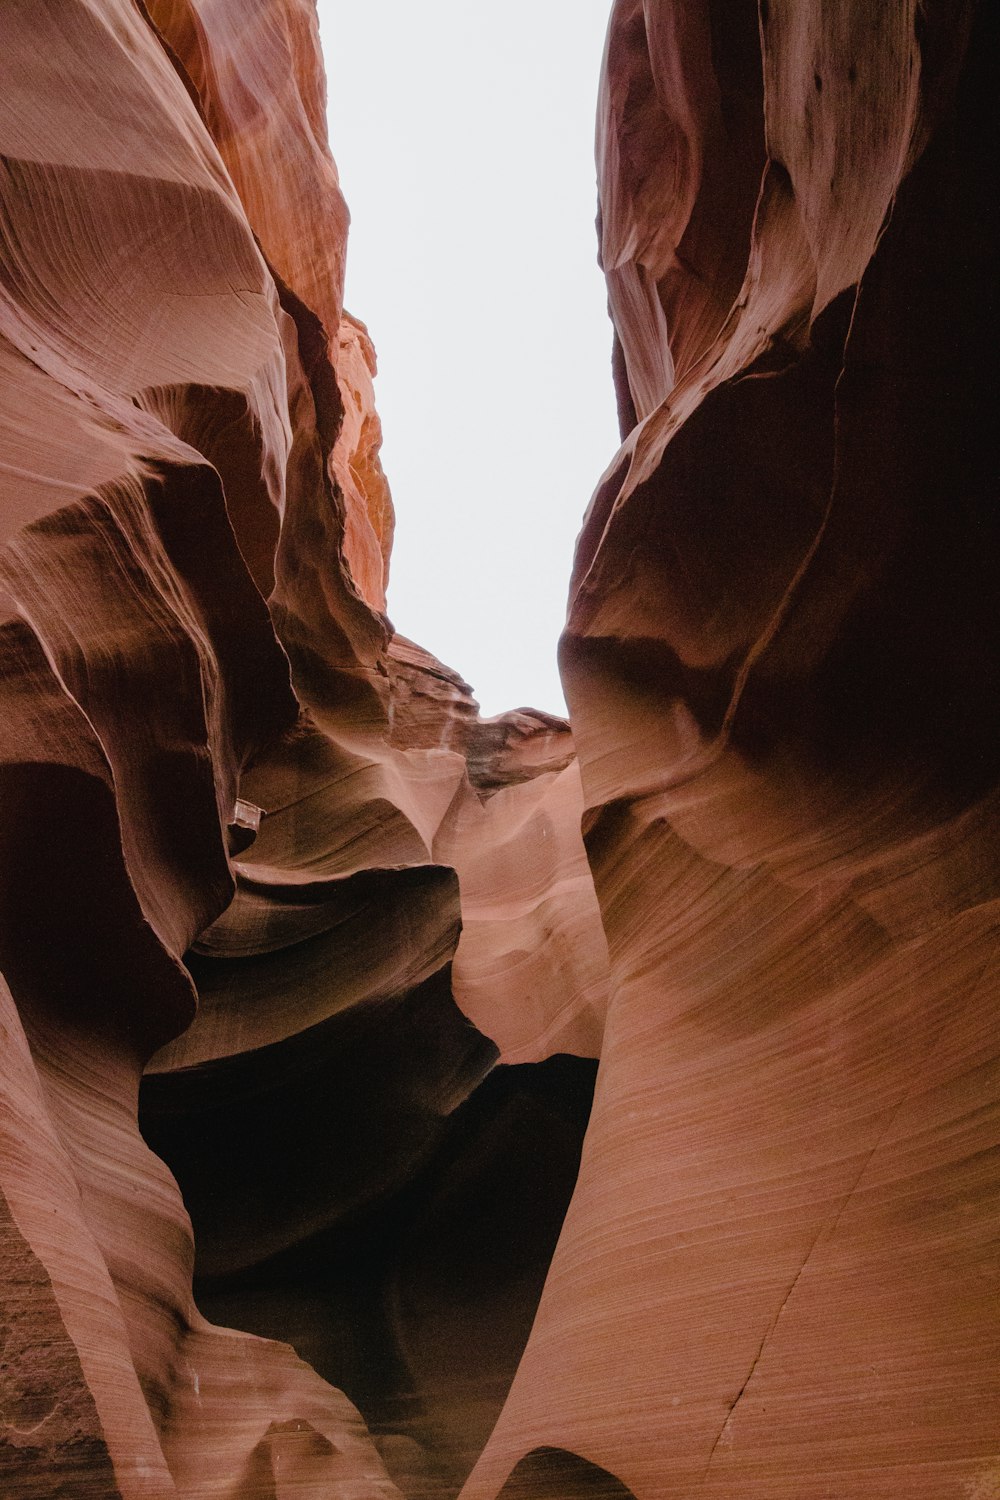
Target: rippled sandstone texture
781, 663
261, 853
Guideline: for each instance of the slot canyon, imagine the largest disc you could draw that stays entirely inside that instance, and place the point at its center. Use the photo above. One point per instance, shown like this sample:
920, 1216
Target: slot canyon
398, 1103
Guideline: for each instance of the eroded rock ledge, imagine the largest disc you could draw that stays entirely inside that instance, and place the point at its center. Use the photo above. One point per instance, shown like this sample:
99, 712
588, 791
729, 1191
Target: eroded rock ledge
365, 952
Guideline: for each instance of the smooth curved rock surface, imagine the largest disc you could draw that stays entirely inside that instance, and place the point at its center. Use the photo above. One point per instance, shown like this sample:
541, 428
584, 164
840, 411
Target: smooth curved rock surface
352, 954
781, 665
201, 758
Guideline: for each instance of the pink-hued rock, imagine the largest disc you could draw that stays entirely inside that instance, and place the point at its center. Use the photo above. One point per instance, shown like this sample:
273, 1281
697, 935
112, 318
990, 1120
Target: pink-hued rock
777, 1276
351, 953
257, 73
201, 760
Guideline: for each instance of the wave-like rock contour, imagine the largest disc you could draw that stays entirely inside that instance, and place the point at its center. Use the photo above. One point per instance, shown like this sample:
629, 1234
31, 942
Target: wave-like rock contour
350, 954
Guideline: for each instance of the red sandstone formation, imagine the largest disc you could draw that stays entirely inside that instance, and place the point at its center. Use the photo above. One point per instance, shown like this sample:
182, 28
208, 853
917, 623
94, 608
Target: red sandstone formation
262, 854
781, 666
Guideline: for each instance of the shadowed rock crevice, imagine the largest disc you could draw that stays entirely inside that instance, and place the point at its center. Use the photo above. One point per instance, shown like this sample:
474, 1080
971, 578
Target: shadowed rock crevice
554, 1474
413, 1245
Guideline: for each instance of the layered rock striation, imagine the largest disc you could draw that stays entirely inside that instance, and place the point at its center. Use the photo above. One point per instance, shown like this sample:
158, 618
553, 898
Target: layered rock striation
352, 955
781, 664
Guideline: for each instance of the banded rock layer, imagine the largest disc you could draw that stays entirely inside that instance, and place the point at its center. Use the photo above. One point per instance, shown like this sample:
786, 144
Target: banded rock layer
363, 949
781, 664
237, 813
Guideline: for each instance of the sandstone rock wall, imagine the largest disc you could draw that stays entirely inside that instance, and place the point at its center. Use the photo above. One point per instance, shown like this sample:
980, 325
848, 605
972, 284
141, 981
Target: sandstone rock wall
361, 949
776, 1275
204, 770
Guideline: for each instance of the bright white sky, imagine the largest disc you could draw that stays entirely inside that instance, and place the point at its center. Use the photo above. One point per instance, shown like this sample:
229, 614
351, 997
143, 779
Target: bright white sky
464, 136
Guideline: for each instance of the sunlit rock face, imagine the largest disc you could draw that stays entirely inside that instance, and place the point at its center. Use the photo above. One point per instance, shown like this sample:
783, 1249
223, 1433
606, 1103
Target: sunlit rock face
352, 955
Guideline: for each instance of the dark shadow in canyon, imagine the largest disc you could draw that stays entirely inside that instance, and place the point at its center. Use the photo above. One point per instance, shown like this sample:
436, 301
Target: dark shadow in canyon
419, 1239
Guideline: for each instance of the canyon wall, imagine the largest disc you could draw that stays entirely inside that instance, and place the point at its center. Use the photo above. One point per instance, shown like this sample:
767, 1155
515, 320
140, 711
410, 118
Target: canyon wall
777, 1276
600, 1107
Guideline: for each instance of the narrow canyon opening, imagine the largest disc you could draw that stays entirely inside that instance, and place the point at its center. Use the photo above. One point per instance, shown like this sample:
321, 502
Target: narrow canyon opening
401, 1101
